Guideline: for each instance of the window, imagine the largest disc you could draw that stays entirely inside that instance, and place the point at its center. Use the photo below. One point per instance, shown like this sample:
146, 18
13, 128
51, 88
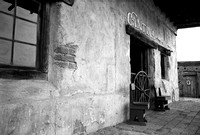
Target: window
23, 37
164, 66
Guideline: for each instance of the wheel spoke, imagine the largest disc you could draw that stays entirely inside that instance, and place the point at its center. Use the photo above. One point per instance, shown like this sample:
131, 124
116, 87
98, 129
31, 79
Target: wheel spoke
147, 90
146, 94
138, 88
142, 98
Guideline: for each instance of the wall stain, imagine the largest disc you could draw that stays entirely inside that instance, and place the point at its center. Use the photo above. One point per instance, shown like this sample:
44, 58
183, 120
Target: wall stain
79, 128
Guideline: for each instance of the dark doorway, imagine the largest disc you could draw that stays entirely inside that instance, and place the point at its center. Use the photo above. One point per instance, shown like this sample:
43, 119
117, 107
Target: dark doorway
139, 56
141, 60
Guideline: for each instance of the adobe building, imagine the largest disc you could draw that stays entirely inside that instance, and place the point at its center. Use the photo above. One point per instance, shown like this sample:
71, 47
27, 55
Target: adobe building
66, 66
189, 78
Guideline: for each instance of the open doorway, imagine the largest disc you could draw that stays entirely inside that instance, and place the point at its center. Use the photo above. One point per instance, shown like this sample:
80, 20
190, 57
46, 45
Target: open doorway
141, 60
139, 54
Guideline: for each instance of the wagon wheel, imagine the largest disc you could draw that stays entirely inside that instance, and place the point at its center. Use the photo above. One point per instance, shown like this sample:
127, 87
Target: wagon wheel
142, 89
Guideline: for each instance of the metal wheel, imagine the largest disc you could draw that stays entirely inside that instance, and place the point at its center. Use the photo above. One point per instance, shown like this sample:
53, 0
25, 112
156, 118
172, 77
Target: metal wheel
142, 88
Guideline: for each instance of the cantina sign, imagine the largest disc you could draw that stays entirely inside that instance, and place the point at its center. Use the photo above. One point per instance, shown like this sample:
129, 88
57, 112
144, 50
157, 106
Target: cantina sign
134, 21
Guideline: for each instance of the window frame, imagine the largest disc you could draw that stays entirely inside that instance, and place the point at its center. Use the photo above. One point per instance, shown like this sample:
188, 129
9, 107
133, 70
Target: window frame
41, 69
164, 60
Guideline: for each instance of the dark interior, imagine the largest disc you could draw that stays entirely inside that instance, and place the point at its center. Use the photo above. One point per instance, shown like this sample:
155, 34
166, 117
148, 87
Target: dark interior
138, 55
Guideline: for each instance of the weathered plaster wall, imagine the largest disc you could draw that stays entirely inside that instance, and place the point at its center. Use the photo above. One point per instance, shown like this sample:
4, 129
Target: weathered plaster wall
89, 71
169, 86
95, 94
26, 107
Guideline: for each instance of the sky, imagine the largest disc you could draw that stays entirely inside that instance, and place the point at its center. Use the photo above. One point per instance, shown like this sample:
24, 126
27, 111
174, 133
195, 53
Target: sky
188, 44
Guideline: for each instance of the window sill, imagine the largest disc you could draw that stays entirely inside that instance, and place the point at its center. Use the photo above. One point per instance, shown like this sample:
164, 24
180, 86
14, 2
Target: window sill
22, 74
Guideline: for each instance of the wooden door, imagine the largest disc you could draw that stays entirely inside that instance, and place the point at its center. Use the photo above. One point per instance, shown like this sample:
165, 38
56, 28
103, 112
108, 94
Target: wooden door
189, 88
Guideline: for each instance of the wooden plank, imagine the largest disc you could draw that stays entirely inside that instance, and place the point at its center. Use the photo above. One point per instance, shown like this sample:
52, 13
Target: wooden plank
69, 2
189, 73
133, 32
189, 63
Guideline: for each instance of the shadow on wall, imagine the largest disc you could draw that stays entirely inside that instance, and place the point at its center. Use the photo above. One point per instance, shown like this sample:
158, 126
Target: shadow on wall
126, 112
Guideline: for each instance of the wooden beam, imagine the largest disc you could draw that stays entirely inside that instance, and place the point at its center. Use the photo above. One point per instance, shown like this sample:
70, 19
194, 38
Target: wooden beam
133, 32
164, 51
68, 2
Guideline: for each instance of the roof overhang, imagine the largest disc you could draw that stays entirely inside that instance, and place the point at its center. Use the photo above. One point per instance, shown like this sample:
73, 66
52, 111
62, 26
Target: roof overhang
183, 14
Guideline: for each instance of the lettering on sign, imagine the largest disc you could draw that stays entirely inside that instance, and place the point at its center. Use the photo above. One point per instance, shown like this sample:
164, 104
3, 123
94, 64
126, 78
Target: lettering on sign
134, 21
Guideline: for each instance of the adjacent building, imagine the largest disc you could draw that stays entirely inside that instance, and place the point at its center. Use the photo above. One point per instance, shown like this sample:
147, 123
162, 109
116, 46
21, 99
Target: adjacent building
189, 78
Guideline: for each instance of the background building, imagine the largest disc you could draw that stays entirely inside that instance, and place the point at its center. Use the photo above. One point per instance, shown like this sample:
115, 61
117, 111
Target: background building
189, 78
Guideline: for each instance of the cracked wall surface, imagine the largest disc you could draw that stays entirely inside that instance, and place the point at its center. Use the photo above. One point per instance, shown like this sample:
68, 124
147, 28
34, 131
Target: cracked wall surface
89, 70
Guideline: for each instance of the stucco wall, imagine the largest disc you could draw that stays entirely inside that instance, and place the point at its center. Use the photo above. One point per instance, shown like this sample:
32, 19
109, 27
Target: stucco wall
96, 93
89, 71
168, 86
